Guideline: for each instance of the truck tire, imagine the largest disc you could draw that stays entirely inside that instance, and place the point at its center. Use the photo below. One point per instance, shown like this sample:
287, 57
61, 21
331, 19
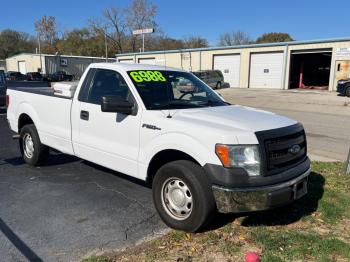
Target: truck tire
182, 196
347, 91
33, 151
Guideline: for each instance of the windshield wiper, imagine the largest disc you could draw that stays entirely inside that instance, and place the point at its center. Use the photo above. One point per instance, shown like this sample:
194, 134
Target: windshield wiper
175, 105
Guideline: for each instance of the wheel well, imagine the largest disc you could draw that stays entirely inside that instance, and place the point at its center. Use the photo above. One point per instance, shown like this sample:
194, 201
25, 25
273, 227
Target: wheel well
164, 157
23, 120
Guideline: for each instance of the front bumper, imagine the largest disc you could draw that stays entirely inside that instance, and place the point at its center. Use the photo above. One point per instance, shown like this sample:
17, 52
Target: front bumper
230, 200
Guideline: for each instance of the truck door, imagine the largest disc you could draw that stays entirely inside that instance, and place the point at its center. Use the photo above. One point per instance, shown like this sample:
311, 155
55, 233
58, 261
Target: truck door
108, 139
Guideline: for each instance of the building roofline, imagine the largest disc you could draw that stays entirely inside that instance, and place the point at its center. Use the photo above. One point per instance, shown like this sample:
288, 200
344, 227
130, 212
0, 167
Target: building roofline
316, 41
61, 55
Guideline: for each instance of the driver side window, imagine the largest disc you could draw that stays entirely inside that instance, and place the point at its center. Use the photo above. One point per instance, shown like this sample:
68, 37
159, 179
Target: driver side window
107, 83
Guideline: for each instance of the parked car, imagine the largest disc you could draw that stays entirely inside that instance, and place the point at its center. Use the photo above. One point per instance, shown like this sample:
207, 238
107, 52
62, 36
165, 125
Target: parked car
60, 76
213, 78
2, 88
15, 76
343, 87
200, 153
35, 76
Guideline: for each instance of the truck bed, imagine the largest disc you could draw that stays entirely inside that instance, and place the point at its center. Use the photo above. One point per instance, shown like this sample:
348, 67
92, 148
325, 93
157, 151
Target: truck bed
39, 88
50, 113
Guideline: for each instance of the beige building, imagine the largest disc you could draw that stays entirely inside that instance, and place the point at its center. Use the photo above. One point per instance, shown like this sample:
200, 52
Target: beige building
49, 64
315, 64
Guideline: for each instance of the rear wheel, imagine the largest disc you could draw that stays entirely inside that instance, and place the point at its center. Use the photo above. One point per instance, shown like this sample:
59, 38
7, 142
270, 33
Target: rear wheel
33, 151
182, 196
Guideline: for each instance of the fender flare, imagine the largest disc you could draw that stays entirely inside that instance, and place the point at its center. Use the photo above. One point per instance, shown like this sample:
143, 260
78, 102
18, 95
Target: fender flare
26, 108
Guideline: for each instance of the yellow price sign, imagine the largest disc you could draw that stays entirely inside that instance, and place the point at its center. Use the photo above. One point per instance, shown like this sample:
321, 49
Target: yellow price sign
147, 76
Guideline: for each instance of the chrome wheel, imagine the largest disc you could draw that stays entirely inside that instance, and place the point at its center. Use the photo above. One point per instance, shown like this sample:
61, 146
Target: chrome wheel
177, 198
28, 145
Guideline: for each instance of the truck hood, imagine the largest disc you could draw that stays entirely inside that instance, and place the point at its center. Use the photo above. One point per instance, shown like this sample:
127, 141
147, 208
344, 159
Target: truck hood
233, 117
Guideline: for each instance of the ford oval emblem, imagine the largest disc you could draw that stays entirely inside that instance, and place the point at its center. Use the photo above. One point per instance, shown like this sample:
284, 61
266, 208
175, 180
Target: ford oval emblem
295, 149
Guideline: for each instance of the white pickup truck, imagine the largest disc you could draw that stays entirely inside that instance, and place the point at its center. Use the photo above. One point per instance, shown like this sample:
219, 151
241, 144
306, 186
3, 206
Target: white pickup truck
167, 127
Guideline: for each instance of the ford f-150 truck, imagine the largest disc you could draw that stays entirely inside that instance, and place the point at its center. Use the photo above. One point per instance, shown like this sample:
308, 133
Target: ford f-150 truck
167, 127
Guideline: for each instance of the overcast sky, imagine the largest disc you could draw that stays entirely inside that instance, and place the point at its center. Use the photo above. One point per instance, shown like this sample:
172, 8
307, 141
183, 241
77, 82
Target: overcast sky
304, 20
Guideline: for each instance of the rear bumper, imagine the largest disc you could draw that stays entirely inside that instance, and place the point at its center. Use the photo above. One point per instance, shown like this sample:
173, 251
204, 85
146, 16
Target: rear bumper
230, 200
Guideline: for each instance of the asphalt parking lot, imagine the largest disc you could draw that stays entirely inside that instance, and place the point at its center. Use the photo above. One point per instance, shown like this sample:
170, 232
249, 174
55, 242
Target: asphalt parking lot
68, 208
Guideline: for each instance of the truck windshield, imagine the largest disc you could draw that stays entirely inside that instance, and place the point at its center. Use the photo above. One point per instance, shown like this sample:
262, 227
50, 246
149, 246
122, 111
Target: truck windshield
173, 90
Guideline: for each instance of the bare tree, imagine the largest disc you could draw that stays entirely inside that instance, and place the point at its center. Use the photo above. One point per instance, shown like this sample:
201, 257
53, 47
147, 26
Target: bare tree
140, 14
235, 38
116, 17
120, 22
46, 29
113, 20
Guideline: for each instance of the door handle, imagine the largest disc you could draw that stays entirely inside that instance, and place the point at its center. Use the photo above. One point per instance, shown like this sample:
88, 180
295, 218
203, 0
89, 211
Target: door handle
84, 115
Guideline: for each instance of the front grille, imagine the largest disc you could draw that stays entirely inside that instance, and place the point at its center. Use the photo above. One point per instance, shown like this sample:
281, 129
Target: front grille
277, 148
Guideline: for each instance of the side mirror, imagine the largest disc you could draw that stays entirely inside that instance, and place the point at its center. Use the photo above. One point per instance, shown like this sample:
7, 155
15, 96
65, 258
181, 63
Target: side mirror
116, 104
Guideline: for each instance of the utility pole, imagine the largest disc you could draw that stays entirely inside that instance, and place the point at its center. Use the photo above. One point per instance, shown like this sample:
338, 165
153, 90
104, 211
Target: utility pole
39, 45
143, 43
106, 47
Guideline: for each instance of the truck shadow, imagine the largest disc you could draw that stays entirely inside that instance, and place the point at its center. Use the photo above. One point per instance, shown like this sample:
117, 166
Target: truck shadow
117, 174
53, 160
279, 216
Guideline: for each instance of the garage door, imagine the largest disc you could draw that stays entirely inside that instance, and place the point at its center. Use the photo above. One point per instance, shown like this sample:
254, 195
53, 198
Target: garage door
127, 61
229, 65
148, 61
22, 67
266, 70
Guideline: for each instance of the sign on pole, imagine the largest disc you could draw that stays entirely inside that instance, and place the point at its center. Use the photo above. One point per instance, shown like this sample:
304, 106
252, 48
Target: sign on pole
143, 32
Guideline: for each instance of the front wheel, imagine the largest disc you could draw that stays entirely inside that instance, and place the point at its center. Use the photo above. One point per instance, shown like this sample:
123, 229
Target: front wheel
218, 85
182, 196
33, 152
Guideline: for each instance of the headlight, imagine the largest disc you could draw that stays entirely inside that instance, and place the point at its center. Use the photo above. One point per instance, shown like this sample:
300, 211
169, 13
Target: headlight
245, 156
340, 82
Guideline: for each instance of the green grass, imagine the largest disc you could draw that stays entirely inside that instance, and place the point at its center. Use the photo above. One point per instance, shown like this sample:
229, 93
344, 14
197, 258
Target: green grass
97, 259
335, 201
292, 245
229, 247
327, 203
177, 235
